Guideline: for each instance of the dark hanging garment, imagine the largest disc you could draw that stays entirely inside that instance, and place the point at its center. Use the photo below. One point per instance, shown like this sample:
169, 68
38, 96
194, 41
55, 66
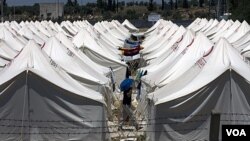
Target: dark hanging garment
128, 73
138, 91
127, 97
112, 79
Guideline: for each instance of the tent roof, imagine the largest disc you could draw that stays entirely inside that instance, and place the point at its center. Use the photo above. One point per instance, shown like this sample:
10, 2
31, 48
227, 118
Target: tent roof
70, 29
214, 24
120, 27
216, 28
200, 25
199, 48
157, 66
85, 40
223, 58
158, 35
6, 52
196, 21
159, 23
129, 25
106, 33
10, 40
27, 33
71, 63
164, 38
64, 39
221, 29
3, 62
33, 59
35, 30
114, 31
228, 32
164, 48
209, 24
240, 32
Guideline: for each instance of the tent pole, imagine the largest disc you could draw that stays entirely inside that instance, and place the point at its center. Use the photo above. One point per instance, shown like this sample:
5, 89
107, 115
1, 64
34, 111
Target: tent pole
214, 126
2, 11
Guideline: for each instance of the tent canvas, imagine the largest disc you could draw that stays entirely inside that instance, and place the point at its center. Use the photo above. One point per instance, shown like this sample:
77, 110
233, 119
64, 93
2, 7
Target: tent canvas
199, 48
240, 32
129, 25
68, 43
6, 52
222, 85
10, 40
187, 41
3, 62
153, 40
163, 39
34, 92
72, 64
99, 55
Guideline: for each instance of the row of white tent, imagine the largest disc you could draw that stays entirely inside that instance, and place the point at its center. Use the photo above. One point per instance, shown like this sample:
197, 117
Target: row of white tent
236, 33
191, 72
55, 80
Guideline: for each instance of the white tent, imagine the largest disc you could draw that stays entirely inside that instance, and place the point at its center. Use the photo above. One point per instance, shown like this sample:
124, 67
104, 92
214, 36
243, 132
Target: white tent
216, 28
72, 64
121, 29
16, 35
68, 43
68, 28
10, 40
239, 44
3, 63
48, 29
177, 52
200, 48
221, 29
7, 52
35, 30
246, 51
200, 25
43, 30
164, 50
59, 28
129, 25
39, 101
157, 30
30, 35
222, 86
114, 31
21, 23
78, 69
70, 24
159, 24
100, 55
228, 32
194, 23
95, 52
208, 25
214, 24
240, 32
102, 30
52, 26
157, 37
161, 40
103, 41
14, 25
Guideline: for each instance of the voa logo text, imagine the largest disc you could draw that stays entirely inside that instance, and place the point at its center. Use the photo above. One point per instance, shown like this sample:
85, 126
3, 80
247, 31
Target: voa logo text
236, 132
